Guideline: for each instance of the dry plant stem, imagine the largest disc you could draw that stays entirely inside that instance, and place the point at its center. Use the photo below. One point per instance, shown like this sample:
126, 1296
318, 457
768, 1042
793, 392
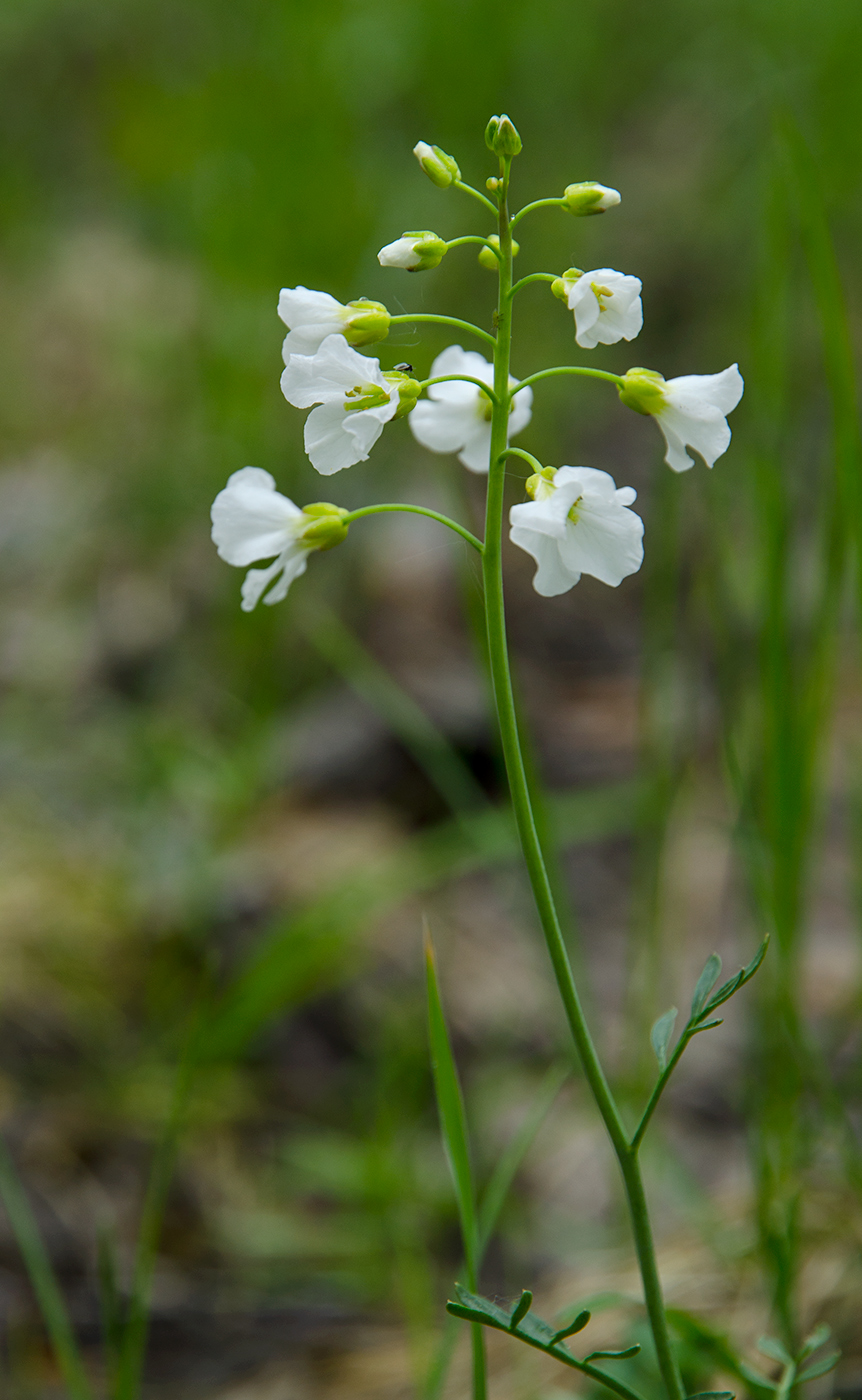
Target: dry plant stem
526, 823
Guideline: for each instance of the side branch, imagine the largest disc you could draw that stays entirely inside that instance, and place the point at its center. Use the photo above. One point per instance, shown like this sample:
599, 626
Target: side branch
534, 277
416, 510
568, 369
445, 321
537, 204
477, 194
465, 379
526, 456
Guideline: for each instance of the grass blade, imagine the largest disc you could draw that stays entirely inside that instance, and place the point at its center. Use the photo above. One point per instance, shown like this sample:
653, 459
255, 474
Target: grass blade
42, 1277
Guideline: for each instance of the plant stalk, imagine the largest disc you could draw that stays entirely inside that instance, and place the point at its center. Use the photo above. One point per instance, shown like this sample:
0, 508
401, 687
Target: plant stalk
526, 822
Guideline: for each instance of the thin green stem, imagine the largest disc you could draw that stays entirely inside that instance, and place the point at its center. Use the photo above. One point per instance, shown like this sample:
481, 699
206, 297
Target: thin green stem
527, 457
472, 238
467, 378
526, 822
444, 321
416, 510
571, 369
534, 277
477, 194
658, 1090
536, 204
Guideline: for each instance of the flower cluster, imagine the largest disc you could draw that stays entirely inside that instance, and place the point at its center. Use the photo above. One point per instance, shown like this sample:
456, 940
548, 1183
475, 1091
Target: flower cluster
575, 520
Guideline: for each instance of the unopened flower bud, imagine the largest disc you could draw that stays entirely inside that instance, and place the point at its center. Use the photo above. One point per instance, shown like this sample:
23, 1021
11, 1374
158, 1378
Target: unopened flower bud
561, 286
501, 136
408, 388
326, 527
440, 168
365, 322
588, 197
415, 252
489, 259
644, 391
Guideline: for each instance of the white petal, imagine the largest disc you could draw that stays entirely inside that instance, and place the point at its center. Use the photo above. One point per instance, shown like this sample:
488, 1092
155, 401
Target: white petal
294, 563
330, 373
476, 453
250, 519
442, 426
606, 541
522, 409
365, 425
329, 447
455, 360
552, 576
722, 391
545, 517
311, 317
586, 479
401, 253
708, 434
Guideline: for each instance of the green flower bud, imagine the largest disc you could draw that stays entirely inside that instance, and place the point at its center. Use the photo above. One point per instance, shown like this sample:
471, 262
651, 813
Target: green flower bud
489, 259
415, 252
408, 388
561, 286
440, 168
365, 322
643, 390
326, 527
501, 136
588, 197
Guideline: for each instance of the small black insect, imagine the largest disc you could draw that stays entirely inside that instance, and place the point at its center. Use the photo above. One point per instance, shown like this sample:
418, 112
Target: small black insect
404, 369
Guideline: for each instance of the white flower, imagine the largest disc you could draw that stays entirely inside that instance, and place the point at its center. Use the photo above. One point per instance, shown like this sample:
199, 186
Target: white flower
415, 252
251, 520
355, 401
607, 305
691, 410
312, 316
577, 523
456, 417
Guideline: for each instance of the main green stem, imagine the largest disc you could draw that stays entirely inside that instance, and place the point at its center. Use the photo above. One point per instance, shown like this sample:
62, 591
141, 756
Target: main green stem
527, 830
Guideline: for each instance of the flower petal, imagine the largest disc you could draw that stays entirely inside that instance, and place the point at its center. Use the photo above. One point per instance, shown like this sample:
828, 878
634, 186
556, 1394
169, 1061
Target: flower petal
310, 316
294, 563
444, 426
330, 373
605, 541
250, 519
476, 452
552, 577
522, 409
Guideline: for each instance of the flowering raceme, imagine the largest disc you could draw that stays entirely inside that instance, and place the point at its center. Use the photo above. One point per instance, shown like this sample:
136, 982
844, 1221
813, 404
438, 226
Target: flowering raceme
251, 521
456, 416
691, 410
355, 399
577, 522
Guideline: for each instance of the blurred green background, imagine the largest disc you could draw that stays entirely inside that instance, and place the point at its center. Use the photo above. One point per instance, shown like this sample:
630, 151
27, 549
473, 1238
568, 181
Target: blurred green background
248, 814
